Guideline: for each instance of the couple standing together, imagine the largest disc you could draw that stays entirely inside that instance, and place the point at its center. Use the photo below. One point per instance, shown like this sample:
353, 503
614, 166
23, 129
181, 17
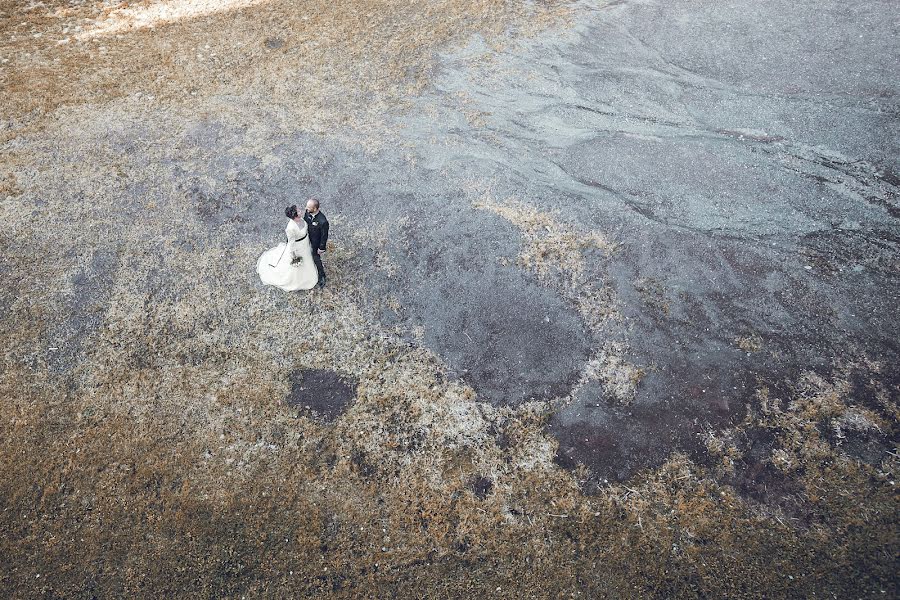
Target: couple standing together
296, 264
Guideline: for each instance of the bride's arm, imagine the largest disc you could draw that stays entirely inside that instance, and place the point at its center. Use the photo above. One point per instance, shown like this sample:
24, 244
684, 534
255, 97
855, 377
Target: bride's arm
295, 248
290, 232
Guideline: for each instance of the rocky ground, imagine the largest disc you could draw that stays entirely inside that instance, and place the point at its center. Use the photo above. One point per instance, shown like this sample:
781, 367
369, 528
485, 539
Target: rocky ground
612, 301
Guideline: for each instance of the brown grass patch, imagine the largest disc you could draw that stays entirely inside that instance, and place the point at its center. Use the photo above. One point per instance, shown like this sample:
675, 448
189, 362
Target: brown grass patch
315, 64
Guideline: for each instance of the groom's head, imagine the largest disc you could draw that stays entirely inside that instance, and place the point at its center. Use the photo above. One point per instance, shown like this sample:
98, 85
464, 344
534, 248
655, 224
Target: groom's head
312, 205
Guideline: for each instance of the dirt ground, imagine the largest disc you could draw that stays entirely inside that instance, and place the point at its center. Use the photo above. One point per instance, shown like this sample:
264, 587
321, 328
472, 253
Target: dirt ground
611, 308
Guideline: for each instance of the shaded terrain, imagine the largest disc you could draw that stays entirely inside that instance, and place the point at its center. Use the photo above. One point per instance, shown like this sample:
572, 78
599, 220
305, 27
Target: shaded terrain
611, 307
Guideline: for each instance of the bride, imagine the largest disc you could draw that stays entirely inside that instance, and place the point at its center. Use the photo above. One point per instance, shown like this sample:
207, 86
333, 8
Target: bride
289, 265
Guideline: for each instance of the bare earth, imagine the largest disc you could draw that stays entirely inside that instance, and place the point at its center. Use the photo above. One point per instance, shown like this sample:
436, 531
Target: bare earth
612, 301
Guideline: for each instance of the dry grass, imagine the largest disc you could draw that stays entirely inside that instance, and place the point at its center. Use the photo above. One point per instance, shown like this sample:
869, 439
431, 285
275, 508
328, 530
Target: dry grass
173, 468
620, 378
749, 343
551, 247
312, 64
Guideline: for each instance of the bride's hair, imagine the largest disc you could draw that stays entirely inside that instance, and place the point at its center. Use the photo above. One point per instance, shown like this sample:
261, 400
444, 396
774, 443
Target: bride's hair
291, 212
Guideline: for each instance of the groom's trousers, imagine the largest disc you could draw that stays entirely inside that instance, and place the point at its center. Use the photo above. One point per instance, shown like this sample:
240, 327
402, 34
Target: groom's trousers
317, 258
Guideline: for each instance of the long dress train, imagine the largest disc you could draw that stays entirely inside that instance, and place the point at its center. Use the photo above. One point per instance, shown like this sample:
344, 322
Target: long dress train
289, 265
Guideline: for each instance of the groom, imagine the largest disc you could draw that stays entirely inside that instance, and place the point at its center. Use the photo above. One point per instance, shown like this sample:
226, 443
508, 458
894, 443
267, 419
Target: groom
318, 235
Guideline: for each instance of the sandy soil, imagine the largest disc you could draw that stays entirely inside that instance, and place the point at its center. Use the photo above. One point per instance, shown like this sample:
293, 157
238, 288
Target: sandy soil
611, 307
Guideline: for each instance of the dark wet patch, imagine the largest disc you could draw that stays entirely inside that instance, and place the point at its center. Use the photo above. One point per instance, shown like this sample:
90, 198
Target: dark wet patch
273, 43
481, 486
324, 394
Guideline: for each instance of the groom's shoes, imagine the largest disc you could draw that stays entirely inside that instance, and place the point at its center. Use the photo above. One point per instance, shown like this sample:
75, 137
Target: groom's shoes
321, 283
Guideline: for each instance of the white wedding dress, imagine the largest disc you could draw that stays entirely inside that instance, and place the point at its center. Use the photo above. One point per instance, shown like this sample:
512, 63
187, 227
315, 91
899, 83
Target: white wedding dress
289, 265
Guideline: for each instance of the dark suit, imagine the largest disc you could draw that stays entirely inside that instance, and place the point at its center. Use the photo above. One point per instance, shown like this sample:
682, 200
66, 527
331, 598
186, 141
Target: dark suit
317, 225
